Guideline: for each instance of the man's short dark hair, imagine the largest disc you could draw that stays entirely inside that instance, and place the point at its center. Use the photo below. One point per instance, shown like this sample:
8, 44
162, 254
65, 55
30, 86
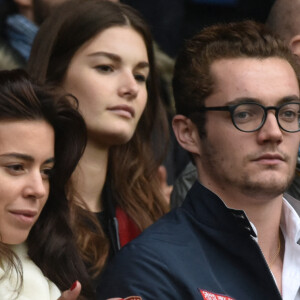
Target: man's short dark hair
193, 82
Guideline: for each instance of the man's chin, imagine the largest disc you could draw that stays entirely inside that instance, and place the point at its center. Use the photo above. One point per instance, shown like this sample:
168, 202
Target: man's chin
270, 188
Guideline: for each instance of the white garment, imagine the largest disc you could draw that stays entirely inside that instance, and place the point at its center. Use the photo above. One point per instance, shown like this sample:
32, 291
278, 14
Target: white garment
290, 227
35, 285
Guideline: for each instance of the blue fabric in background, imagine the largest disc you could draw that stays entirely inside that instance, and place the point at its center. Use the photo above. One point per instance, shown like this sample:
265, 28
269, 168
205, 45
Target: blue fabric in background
20, 33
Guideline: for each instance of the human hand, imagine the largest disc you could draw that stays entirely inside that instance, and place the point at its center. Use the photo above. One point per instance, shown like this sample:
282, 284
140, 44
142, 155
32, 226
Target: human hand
72, 293
165, 188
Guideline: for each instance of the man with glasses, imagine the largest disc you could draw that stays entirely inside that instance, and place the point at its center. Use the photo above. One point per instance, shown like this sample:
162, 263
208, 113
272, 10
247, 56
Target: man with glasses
236, 236
283, 20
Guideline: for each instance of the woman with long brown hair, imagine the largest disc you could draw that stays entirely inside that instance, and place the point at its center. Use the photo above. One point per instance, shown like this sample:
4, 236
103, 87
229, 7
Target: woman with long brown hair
102, 53
42, 137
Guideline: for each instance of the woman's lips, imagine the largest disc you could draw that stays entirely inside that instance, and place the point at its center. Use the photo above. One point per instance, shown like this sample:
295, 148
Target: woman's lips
123, 110
27, 217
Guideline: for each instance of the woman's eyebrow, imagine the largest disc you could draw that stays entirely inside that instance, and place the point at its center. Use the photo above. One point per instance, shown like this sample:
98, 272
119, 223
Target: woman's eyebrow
109, 55
25, 157
117, 58
18, 155
49, 160
143, 65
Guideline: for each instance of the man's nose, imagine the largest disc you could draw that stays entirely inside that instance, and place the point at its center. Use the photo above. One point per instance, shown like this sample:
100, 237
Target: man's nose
270, 131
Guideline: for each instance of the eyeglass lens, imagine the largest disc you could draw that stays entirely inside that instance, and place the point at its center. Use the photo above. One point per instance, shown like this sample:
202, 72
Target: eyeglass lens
251, 116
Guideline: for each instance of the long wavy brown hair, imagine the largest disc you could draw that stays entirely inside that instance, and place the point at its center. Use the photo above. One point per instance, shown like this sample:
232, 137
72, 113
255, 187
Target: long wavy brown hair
51, 243
132, 166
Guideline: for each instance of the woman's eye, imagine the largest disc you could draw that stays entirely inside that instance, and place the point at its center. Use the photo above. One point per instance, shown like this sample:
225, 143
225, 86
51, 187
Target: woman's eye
140, 78
16, 168
104, 68
47, 173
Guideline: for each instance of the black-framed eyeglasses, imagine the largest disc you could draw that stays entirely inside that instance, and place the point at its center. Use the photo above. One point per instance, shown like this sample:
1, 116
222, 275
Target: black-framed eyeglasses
251, 116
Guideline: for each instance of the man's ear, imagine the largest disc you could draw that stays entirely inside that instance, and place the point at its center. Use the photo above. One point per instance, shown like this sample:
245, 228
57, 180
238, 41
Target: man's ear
294, 45
186, 134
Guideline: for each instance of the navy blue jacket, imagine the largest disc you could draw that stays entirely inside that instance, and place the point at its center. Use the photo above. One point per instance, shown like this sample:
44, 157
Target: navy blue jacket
200, 247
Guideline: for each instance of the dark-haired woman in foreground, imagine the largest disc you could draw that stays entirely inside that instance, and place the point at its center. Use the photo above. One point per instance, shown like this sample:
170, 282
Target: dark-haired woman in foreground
42, 137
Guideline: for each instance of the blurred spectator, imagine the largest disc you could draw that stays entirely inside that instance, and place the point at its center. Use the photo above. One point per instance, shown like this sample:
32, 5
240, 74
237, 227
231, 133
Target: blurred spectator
19, 21
284, 21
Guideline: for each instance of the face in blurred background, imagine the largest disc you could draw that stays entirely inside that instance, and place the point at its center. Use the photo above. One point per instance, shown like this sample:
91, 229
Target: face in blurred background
42, 8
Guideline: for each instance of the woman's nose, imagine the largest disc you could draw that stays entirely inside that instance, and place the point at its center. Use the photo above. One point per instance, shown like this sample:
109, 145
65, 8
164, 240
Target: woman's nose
36, 186
128, 86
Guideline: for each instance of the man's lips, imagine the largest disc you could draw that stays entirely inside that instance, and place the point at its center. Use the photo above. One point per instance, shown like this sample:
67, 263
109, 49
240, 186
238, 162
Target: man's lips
124, 110
270, 158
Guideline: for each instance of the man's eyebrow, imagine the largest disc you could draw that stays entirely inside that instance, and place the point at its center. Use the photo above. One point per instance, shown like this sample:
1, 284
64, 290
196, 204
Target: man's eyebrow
243, 100
291, 98
25, 157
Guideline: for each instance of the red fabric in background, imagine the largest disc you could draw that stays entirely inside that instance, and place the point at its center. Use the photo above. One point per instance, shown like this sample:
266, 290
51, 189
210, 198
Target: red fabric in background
128, 230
